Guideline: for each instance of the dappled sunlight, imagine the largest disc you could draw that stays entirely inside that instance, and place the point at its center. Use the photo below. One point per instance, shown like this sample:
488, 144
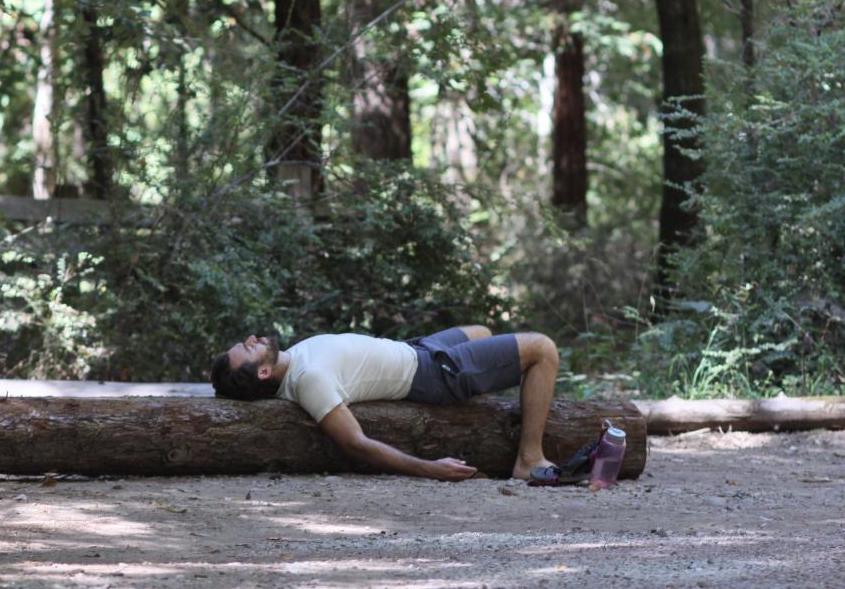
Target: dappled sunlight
85, 573
430, 583
350, 564
7, 546
57, 518
642, 543
707, 524
554, 570
316, 524
265, 505
717, 443
59, 571
38, 528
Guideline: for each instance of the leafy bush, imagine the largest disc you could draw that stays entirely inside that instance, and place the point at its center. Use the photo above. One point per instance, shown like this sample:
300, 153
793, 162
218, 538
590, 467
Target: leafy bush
49, 309
155, 303
223, 250
771, 263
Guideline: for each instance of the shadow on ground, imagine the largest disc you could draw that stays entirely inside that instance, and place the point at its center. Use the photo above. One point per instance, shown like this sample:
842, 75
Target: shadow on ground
735, 509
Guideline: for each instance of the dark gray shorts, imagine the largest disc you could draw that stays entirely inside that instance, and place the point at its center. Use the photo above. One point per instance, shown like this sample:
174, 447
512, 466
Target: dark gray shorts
452, 368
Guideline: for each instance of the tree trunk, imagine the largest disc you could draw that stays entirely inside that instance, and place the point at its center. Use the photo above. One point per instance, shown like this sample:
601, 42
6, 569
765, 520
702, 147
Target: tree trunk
683, 85
569, 150
96, 125
179, 14
746, 21
293, 152
780, 413
45, 112
161, 436
182, 121
452, 143
381, 127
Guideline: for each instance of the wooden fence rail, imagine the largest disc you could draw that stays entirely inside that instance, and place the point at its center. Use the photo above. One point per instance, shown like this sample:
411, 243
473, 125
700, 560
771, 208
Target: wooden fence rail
83, 211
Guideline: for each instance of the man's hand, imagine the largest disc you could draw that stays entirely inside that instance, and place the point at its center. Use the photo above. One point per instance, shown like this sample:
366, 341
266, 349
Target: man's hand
451, 469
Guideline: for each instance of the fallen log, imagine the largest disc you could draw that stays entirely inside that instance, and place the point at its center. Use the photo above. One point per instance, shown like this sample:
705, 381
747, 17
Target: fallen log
102, 389
781, 413
196, 435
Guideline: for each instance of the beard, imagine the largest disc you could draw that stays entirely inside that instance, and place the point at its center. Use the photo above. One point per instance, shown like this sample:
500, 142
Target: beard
269, 386
271, 355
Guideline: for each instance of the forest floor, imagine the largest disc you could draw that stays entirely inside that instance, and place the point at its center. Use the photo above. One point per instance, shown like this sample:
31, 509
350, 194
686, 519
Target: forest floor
712, 510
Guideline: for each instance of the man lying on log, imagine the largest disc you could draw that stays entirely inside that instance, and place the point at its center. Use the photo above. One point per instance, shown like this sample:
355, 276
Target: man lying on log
324, 373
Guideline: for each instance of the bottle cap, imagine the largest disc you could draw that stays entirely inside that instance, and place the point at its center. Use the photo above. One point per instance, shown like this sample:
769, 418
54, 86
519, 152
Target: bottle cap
614, 434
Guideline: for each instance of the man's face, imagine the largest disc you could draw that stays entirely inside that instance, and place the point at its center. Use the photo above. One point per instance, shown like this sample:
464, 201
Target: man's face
261, 350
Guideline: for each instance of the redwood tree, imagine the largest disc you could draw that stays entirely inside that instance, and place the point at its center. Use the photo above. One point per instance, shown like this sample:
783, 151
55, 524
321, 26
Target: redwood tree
683, 103
296, 137
569, 151
381, 127
100, 165
746, 21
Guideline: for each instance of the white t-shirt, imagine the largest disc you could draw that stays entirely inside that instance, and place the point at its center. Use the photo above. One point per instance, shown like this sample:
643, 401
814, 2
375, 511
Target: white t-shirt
327, 370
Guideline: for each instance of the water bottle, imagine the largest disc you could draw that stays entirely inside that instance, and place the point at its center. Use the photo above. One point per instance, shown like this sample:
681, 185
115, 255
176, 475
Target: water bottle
608, 460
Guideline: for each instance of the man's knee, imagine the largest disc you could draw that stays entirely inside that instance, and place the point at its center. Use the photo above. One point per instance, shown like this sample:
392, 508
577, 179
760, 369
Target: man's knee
475, 331
535, 348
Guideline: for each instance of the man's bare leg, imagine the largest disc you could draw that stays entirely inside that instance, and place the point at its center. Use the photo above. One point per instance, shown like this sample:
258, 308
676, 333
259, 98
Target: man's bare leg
475, 331
539, 360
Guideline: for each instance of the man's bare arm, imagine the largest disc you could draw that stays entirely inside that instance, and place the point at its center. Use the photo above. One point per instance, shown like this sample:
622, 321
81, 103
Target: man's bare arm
342, 427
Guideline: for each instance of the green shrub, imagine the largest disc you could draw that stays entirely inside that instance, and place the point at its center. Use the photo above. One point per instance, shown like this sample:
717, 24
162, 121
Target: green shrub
771, 261
383, 254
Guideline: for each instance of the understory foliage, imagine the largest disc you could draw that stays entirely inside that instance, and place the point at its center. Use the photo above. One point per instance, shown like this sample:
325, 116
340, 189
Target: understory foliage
204, 243
765, 287
153, 303
209, 247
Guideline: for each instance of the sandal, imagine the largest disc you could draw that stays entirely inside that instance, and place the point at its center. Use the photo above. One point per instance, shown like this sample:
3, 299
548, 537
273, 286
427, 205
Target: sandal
544, 476
573, 471
578, 468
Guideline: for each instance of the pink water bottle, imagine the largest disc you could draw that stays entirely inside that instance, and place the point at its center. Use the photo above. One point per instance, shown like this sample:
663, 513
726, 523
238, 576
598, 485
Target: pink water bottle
608, 461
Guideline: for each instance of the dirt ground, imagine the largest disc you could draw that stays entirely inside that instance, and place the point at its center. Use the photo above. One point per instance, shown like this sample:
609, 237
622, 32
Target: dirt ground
712, 510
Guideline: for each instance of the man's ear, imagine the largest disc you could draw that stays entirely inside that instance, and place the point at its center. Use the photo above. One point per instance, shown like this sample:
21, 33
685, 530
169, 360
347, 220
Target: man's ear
264, 371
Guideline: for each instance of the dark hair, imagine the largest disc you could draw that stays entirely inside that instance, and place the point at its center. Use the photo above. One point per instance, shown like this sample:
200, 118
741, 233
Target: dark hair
242, 383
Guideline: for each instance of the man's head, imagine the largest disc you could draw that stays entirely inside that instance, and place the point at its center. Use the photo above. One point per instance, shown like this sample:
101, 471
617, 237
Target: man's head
246, 370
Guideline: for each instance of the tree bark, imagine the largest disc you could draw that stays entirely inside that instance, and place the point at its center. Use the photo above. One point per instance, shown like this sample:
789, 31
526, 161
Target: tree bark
683, 86
569, 150
781, 413
294, 149
453, 146
45, 111
381, 128
179, 14
182, 98
161, 436
96, 125
746, 21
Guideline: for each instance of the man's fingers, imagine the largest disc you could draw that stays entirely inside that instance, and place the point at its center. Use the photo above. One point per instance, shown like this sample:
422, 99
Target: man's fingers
455, 469
456, 460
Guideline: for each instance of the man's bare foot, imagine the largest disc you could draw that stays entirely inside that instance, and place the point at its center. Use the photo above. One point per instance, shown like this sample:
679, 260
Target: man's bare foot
522, 468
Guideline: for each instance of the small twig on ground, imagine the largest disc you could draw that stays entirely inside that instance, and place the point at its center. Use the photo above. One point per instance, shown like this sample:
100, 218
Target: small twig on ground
694, 433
